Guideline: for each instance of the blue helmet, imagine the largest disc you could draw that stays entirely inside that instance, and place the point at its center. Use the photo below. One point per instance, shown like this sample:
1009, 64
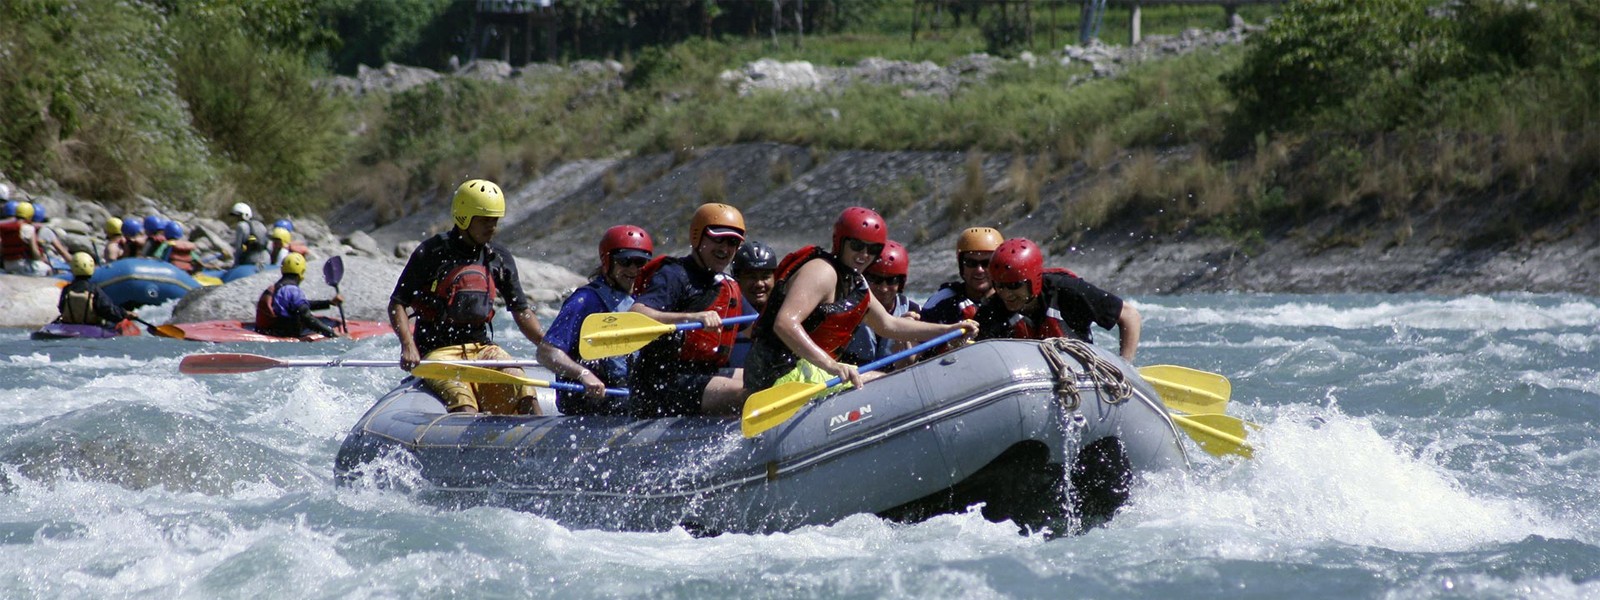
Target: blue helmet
131, 226
38, 213
174, 230
155, 224
284, 223
11, 209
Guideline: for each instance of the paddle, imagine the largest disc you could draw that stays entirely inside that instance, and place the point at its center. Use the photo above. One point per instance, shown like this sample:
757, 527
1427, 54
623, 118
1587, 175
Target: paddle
1217, 434
171, 331
1189, 390
333, 273
614, 334
468, 373
230, 363
767, 408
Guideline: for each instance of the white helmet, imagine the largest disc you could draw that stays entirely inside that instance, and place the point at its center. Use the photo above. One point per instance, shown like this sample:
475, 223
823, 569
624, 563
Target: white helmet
241, 210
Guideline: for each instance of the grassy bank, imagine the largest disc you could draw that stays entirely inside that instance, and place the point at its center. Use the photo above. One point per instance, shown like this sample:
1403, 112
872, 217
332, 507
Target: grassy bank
1386, 107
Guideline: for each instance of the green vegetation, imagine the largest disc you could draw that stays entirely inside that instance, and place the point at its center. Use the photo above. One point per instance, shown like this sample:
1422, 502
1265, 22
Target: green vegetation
1403, 105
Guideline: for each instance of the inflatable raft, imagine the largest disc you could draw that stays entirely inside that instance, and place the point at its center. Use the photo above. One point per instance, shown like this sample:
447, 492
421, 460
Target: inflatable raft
241, 331
1043, 433
135, 282
61, 331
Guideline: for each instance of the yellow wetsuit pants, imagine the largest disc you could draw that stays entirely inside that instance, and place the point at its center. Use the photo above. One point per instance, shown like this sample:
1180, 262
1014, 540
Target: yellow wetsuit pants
495, 398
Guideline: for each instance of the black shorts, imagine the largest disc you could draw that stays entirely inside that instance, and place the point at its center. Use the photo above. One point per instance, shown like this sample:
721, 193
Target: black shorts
669, 394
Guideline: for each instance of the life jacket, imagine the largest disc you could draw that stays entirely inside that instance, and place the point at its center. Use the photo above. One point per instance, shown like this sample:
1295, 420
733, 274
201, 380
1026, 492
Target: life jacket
953, 293
12, 246
267, 308
255, 240
181, 255
154, 245
463, 295
615, 369
77, 307
303, 249
702, 345
831, 324
1050, 326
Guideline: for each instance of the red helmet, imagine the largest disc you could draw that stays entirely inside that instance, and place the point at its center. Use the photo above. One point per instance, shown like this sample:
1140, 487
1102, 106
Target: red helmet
624, 237
894, 262
860, 223
1018, 259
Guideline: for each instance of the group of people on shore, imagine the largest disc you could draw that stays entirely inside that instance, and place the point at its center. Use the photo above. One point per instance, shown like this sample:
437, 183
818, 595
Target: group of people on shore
823, 310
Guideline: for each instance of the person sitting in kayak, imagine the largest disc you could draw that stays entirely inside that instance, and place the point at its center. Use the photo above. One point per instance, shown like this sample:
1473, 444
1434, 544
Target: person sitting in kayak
624, 249
116, 246
1032, 302
19, 246
753, 267
886, 278
450, 283
819, 300
82, 302
283, 309
687, 372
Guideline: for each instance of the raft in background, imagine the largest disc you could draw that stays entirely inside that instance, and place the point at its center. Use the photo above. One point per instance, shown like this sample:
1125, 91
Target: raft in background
242, 331
1034, 433
61, 331
135, 282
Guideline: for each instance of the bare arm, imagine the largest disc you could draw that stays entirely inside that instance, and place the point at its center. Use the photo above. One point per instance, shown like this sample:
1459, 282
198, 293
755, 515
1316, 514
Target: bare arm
558, 362
401, 322
1128, 324
809, 288
710, 319
908, 329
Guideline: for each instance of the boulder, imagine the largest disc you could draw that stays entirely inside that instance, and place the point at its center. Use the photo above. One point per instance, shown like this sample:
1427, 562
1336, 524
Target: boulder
28, 301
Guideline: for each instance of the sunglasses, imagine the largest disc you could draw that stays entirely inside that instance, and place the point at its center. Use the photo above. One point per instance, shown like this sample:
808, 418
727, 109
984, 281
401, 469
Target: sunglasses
856, 245
727, 240
1011, 286
973, 263
636, 261
892, 279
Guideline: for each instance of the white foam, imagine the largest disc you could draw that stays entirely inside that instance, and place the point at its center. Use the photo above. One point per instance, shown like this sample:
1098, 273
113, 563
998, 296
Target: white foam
1473, 313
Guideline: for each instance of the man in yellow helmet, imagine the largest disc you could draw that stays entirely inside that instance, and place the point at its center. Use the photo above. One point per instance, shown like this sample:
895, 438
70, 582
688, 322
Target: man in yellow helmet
686, 373
82, 302
283, 309
279, 247
449, 284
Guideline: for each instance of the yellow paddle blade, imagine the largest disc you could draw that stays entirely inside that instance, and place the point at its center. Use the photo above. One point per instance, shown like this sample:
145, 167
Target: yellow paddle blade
1218, 435
767, 408
614, 334
471, 374
1188, 390
207, 280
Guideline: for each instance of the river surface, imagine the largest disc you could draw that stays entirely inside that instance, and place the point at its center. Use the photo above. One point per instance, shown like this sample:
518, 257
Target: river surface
1411, 447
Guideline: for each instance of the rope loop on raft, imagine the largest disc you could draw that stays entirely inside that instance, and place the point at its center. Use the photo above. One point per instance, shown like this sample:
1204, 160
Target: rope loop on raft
1096, 369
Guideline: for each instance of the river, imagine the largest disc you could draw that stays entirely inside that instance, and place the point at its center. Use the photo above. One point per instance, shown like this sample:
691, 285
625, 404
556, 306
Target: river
1411, 447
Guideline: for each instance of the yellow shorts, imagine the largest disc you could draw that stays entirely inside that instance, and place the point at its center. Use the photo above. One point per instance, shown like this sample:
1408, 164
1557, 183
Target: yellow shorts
805, 372
495, 398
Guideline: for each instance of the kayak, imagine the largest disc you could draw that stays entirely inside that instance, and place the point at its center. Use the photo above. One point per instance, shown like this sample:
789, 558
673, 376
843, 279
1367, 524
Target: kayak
244, 331
1044, 434
61, 331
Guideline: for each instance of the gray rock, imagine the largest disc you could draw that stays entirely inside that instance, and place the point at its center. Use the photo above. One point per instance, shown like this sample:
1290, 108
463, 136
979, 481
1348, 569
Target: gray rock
28, 301
364, 244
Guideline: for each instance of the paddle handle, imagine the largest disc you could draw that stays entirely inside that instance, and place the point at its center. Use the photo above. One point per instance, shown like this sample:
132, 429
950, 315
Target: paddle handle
739, 320
894, 358
573, 387
343, 323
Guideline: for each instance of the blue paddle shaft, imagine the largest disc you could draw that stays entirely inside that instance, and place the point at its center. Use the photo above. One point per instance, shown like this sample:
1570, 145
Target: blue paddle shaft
739, 320
573, 387
893, 358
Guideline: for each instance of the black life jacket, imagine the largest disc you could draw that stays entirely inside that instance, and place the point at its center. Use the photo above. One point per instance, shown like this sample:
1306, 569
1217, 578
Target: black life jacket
463, 295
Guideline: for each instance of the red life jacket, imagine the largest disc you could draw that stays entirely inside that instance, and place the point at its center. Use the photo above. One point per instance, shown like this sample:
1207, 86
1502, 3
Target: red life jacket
463, 295
831, 324
303, 249
266, 308
1050, 326
12, 246
703, 345
181, 255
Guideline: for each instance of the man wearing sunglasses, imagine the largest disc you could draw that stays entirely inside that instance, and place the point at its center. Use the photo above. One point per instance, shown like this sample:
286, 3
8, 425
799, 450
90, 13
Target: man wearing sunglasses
1032, 302
753, 268
624, 250
957, 300
686, 372
886, 278
819, 301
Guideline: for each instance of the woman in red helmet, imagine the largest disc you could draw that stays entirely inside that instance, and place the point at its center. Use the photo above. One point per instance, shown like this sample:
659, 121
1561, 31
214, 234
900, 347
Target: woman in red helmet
624, 249
820, 298
1032, 302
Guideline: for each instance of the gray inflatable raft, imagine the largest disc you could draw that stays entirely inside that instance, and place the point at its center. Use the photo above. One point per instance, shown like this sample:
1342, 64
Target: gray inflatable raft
1047, 434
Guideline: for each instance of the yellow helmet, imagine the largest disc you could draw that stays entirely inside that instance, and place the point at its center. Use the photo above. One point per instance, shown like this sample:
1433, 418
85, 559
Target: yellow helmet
82, 264
294, 264
979, 239
714, 214
477, 198
24, 211
113, 226
281, 234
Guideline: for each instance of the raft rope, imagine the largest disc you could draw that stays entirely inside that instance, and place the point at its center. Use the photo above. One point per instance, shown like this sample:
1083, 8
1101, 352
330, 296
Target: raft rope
1096, 369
